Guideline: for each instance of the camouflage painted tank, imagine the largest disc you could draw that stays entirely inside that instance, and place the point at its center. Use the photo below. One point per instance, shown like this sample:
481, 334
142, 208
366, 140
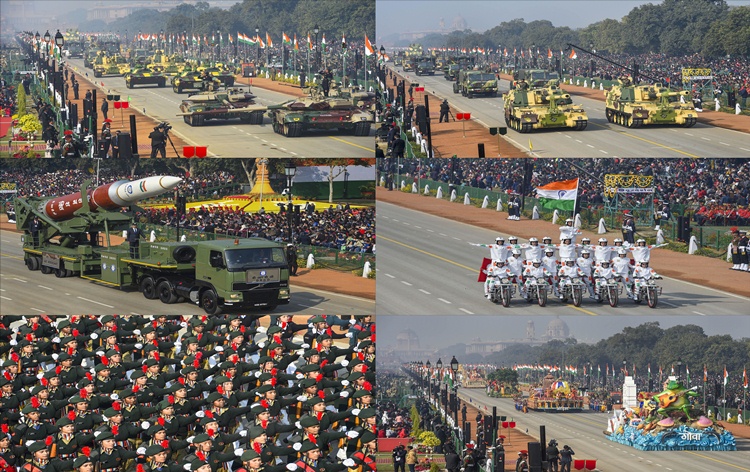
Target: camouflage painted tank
542, 108
144, 77
225, 105
105, 64
225, 76
634, 106
343, 112
194, 81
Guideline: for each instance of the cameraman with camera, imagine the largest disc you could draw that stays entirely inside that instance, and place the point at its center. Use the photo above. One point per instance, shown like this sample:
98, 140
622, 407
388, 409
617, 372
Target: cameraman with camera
159, 139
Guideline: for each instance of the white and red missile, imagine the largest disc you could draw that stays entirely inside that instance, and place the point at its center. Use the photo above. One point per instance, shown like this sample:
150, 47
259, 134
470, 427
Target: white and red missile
110, 196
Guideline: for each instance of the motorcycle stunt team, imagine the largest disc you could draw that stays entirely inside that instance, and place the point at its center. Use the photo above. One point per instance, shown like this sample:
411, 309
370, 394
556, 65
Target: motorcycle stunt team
575, 260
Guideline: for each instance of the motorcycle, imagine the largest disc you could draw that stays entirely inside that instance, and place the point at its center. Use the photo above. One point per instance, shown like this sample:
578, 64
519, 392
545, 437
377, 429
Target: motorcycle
571, 288
648, 291
537, 289
610, 291
502, 290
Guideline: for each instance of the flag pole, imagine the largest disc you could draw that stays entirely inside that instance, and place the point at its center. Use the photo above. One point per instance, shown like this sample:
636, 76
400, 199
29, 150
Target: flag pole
575, 203
744, 392
724, 394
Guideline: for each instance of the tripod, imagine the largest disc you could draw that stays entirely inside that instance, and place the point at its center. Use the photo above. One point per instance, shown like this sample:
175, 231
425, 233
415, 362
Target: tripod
169, 138
450, 114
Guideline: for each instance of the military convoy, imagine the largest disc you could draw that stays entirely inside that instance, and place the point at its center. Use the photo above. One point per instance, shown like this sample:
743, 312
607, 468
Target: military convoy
634, 106
199, 108
471, 83
344, 112
215, 275
144, 77
424, 66
547, 107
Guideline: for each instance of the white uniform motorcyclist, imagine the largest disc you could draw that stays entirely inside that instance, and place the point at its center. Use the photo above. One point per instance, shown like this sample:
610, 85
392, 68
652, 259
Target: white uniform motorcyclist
549, 262
515, 266
532, 250
585, 244
569, 231
535, 270
586, 264
498, 251
547, 243
622, 268
602, 252
641, 251
567, 250
601, 274
494, 272
642, 273
566, 272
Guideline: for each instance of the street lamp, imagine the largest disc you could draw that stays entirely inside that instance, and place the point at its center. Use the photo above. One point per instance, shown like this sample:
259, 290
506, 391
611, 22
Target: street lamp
679, 370
257, 47
454, 394
60, 42
316, 30
429, 382
289, 170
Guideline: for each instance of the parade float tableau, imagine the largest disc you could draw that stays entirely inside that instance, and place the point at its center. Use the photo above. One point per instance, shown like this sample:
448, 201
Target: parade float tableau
667, 421
554, 396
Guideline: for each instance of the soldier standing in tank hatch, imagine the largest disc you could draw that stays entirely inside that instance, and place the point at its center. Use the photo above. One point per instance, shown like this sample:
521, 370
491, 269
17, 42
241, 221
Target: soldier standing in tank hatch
291, 259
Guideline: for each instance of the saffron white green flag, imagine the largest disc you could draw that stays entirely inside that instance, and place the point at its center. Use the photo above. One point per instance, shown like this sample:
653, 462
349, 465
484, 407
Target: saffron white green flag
560, 195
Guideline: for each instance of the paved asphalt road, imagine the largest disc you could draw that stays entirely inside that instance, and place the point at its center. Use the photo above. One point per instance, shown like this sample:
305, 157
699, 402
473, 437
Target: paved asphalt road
583, 432
600, 138
426, 266
231, 139
23, 292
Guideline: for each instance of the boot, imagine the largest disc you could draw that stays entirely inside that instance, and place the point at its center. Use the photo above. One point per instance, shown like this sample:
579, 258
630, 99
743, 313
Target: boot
743, 267
735, 267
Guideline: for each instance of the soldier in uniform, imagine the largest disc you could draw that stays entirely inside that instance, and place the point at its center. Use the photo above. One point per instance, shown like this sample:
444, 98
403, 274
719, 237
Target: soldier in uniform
69, 148
735, 249
106, 137
744, 251
514, 207
111, 458
291, 258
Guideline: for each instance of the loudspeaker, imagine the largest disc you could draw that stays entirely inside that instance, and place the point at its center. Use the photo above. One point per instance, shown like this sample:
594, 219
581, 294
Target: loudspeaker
126, 149
535, 454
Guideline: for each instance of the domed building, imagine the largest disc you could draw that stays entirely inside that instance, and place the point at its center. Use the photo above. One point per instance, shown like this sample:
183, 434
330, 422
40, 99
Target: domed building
459, 23
556, 329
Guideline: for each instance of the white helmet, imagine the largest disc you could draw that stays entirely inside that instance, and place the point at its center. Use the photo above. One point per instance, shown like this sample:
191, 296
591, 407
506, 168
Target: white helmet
602, 240
549, 250
622, 252
585, 252
569, 220
642, 262
641, 241
516, 252
536, 261
499, 262
512, 238
533, 240
569, 260
618, 240
604, 262
547, 240
499, 238
585, 240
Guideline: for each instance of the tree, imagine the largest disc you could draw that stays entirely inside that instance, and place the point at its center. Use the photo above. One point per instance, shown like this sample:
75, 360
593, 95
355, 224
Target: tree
336, 167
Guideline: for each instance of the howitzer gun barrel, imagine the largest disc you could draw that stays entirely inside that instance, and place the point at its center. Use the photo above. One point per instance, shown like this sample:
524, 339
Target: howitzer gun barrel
109, 196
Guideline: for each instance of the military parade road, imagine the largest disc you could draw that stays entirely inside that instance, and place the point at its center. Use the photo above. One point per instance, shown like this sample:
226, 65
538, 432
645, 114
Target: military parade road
583, 432
23, 292
600, 138
427, 266
231, 139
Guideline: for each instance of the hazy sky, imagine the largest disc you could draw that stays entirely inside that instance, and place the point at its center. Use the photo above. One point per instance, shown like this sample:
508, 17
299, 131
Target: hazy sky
480, 15
440, 331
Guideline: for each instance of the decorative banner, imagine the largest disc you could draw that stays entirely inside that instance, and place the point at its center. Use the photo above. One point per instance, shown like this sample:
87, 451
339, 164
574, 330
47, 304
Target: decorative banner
613, 182
696, 74
8, 187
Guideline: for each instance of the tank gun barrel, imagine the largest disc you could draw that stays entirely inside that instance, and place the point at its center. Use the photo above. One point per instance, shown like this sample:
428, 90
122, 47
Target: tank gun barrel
109, 196
635, 71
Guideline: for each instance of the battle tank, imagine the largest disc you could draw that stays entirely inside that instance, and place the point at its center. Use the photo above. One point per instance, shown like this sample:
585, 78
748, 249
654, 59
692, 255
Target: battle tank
165, 64
342, 112
633, 105
144, 77
194, 81
105, 64
224, 105
226, 77
542, 108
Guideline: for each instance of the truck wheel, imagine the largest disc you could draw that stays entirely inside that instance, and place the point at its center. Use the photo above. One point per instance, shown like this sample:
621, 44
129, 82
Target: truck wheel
46, 270
148, 288
61, 273
210, 302
166, 292
362, 129
32, 263
256, 118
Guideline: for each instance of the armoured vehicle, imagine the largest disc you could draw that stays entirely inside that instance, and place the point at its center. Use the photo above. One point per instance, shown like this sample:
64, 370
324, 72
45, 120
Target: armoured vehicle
76, 240
536, 78
471, 83
193, 81
637, 105
226, 77
343, 112
541, 108
144, 77
450, 72
224, 105
164, 64
425, 66
105, 64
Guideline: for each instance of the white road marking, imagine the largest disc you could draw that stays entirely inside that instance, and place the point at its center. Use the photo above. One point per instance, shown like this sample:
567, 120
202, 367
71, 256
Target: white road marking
443, 234
418, 227
391, 276
406, 283
670, 304
748, 150
4, 240
457, 239
466, 311
699, 313
6, 298
602, 150
430, 231
20, 280
407, 224
445, 301
93, 301
705, 139
424, 291
589, 145
725, 144
45, 288
689, 134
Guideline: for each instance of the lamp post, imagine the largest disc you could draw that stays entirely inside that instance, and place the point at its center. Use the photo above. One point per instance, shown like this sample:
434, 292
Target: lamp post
60, 42
289, 170
429, 382
38, 48
316, 30
679, 370
439, 367
346, 183
257, 47
218, 46
454, 369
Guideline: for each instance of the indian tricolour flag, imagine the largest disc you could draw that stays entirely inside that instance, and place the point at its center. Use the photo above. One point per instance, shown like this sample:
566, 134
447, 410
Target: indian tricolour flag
559, 195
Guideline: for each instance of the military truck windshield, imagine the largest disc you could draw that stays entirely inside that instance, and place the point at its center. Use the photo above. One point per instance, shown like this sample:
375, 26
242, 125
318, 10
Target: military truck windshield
483, 77
255, 258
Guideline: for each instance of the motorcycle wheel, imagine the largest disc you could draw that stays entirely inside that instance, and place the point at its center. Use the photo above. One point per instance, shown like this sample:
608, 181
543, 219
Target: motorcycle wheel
505, 296
577, 297
542, 298
613, 299
653, 298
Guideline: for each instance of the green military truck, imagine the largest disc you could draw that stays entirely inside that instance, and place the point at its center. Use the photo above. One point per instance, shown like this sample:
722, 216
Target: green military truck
237, 273
425, 66
471, 83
